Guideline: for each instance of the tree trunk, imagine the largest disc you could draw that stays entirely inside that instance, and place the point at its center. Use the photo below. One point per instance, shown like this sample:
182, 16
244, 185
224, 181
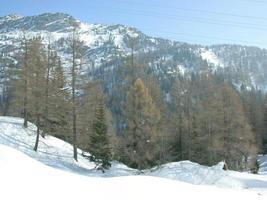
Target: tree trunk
47, 92
25, 104
25, 100
38, 133
74, 135
74, 118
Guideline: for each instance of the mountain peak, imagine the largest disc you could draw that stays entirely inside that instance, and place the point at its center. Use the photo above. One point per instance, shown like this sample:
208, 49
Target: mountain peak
46, 21
10, 17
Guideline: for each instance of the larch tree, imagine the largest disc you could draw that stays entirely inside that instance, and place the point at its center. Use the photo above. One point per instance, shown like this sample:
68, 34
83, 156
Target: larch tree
76, 63
142, 118
178, 100
47, 87
30, 82
163, 133
235, 141
7, 70
22, 81
37, 64
58, 104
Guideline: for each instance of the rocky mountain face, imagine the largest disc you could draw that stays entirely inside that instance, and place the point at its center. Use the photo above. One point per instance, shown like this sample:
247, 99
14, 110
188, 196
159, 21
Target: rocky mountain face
107, 48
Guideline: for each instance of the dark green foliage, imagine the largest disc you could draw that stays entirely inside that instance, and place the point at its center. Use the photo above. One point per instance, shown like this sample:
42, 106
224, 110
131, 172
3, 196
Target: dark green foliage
99, 141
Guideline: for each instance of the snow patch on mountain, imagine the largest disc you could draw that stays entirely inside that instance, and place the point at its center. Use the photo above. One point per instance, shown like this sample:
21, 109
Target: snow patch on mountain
11, 17
210, 57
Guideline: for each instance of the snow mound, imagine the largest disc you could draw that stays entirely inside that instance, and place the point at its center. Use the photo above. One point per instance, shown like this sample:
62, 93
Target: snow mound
196, 174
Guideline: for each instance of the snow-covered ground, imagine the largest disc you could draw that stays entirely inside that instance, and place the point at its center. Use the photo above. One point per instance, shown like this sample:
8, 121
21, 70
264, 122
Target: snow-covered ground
51, 173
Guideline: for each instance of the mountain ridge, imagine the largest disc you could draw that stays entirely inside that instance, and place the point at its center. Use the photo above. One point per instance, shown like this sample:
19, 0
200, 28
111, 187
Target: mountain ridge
107, 45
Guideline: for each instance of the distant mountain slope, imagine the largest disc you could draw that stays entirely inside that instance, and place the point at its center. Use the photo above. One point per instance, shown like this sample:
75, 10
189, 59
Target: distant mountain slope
107, 46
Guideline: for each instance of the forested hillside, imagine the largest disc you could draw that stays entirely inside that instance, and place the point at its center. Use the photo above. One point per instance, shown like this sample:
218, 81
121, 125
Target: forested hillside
119, 94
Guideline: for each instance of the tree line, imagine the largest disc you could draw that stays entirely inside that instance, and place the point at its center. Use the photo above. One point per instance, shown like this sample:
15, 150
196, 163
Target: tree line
202, 117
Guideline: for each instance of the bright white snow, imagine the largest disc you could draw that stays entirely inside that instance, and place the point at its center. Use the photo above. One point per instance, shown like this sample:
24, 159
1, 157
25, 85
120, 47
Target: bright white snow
51, 173
210, 57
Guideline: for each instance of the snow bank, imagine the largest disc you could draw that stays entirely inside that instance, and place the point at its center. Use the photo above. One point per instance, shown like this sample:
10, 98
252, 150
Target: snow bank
262, 159
24, 178
58, 154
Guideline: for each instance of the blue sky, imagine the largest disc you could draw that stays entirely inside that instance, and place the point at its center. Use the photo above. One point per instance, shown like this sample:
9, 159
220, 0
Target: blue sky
194, 21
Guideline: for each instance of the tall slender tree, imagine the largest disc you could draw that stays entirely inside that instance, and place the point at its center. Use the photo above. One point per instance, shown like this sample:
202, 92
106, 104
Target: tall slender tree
76, 63
37, 64
99, 141
24, 75
142, 119
58, 104
47, 87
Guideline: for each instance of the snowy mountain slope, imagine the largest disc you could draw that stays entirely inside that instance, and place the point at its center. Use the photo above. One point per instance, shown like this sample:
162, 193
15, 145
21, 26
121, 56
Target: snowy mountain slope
31, 179
211, 58
51, 151
100, 41
57, 154
107, 46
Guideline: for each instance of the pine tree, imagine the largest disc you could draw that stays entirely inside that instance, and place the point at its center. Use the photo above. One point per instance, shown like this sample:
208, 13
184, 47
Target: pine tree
99, 141
142, 118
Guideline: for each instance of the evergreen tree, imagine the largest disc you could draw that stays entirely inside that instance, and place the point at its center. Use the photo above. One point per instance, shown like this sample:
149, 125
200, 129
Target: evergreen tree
99, 141
89, 101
